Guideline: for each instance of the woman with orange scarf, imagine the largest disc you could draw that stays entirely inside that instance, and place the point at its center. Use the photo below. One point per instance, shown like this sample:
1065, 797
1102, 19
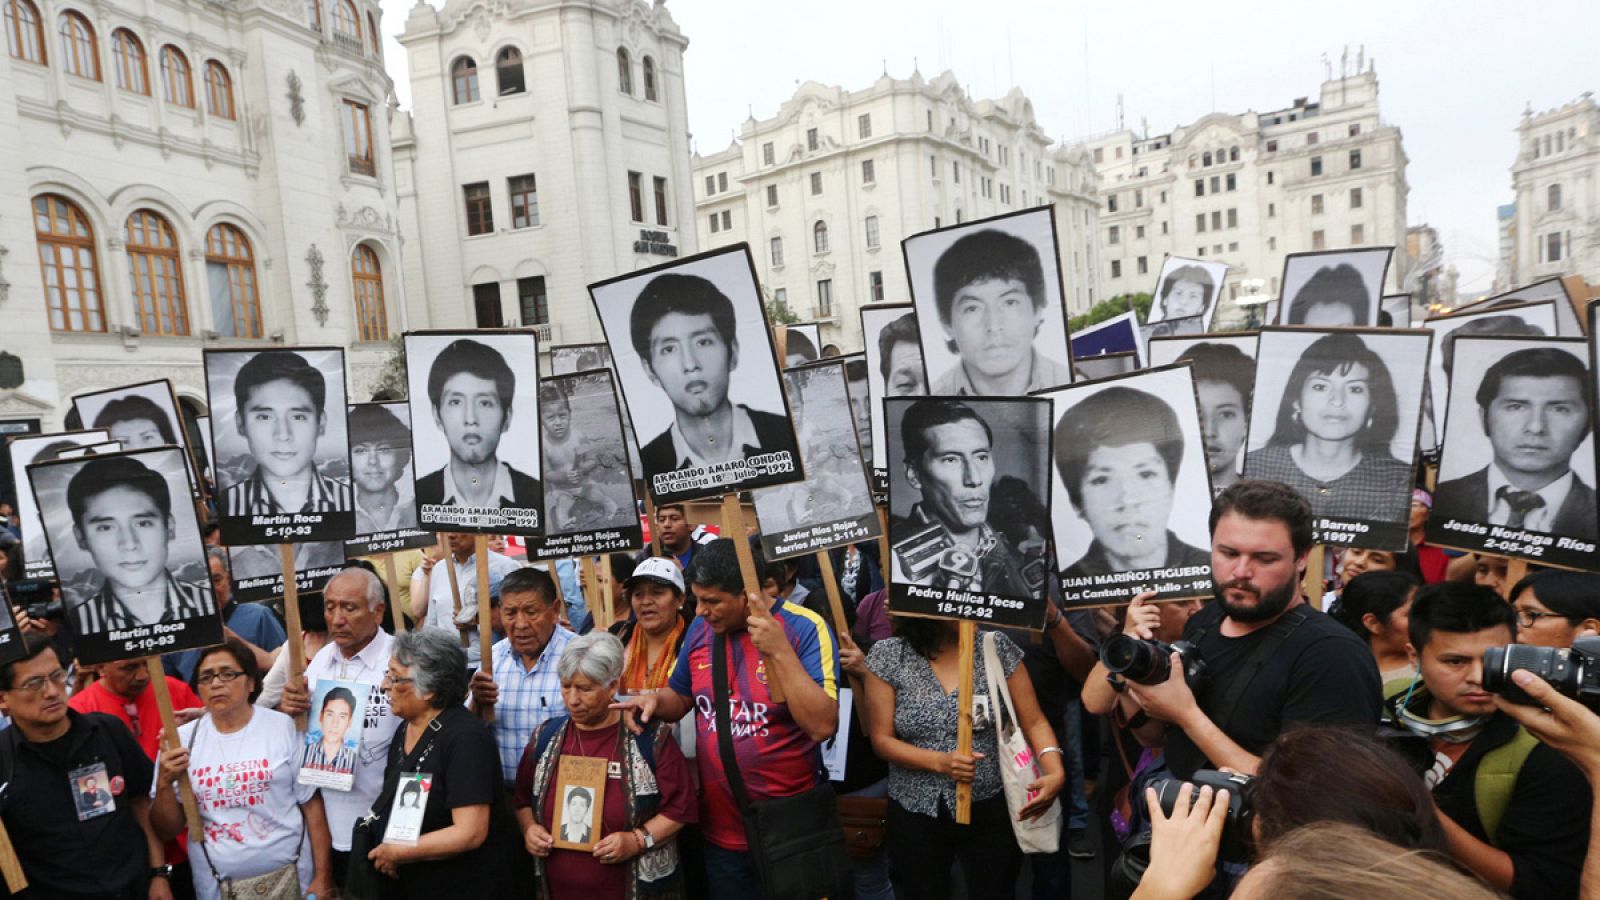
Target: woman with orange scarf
654, 633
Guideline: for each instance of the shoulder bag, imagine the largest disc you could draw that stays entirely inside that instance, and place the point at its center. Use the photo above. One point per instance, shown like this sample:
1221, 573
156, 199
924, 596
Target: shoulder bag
1018, 766
796, 842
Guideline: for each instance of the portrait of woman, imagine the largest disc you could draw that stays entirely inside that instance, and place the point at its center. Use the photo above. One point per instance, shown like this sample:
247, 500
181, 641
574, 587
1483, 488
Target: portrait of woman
1335, 296
1184, 293
1331, 438
1118, 452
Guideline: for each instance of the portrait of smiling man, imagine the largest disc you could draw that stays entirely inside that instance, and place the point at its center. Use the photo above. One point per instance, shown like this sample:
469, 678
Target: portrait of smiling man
1535, 409
471, 392
281, 413
991, 303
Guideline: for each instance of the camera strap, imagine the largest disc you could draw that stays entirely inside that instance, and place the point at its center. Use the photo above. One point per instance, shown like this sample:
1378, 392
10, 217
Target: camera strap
1277, 633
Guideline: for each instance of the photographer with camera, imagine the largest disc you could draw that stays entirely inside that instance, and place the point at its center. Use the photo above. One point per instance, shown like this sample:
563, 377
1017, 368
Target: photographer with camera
1266, 659
1514, 811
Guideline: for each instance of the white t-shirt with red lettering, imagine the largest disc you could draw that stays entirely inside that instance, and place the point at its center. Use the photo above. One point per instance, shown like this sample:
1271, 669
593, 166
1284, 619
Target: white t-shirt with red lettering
244, 784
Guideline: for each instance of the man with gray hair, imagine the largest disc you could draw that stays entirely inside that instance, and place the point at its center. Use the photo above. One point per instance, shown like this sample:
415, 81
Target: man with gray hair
251, 623
525, 688
358, 650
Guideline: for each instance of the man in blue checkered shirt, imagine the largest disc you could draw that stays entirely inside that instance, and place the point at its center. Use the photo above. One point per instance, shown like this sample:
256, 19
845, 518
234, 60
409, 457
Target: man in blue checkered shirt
524, 689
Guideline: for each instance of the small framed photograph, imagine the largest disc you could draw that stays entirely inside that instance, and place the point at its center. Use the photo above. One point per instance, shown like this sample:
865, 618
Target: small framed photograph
411, 796
590, 503
695, 361
1517, 469
1131, 494
969, 500
894, 369
1333, 288
475, 430
580, 801
1335, 416
1186, 289
332, 743
989, 308
128, 553
278, 427
833, 506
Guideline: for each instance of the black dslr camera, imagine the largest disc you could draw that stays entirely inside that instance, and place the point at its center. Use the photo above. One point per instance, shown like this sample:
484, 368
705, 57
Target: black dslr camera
1150, 662
1574, 672
37, 598
1237, 829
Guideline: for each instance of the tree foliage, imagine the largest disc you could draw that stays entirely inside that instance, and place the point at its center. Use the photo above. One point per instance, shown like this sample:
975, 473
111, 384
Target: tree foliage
1110, 308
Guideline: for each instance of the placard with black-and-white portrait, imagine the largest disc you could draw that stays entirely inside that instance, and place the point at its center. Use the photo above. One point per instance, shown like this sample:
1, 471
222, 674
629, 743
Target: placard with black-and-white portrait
1552, 289
1333, 288
384, 481
11, 646
855, 379
969, 501
1224, 368
1522, 319
1186, 289
1335, 416
474, 403
1106, 365
894, 369
1170, 328
1132, 497
569, 358
25, 450
128, 553
256, 571
589, 500
138, 415
282, 468
694, 357
1517, 468
1394, 311
833, 506
1118, 334
802, 343
206, 463
91, 450
988, 301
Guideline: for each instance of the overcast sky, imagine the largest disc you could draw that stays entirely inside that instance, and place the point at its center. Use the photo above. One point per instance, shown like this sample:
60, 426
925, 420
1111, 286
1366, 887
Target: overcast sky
1454, 76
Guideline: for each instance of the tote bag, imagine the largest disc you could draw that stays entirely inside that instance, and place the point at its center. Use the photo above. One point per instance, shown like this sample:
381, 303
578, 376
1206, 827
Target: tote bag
1018, 766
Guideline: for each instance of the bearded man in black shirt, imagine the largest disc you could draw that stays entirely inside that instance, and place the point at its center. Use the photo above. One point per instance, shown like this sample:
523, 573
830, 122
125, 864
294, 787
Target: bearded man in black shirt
1272, 660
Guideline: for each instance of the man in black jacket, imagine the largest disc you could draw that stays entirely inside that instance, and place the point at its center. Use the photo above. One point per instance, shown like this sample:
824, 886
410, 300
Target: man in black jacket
1514, 811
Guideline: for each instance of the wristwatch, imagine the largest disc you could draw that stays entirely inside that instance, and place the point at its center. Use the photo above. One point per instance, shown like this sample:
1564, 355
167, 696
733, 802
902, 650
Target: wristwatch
647, 839
161, 871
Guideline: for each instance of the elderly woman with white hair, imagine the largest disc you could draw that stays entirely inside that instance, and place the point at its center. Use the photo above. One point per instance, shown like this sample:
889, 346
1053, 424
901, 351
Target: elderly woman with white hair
446, 757
648, 791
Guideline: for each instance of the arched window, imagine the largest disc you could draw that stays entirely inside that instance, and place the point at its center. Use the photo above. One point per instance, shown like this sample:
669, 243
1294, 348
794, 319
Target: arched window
819, 237
156, 272
1233, 154
649, 78
314, 14
1205, 160
464, 80
372, 33
1553, 197
24, 31
347, 23
133, 74
624, 72
67, 265
508, 71
231, 280
80, 51
219, 91
372, 323
176, 86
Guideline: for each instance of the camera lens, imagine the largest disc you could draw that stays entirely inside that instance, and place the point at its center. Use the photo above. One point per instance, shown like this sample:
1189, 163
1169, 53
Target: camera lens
1550, 664
1142, 662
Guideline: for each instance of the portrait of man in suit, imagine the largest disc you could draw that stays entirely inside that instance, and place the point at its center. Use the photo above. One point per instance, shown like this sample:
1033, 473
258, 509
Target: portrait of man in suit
1534, 406
684, 330
470, 391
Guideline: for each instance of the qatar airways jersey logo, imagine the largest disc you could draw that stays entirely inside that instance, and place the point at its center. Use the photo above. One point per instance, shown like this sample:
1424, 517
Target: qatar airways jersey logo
745, 719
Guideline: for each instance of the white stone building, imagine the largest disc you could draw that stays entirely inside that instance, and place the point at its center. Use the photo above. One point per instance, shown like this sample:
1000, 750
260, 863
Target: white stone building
180, 175
825, 190
1555, 227
547, 148
1253, 187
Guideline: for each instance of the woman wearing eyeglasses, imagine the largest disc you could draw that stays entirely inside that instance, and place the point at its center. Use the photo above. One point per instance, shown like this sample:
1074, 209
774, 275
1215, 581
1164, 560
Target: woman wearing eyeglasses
241, 761
1555, 608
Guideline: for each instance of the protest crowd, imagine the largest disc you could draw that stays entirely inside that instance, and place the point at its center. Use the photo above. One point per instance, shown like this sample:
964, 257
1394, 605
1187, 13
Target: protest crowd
1077, 630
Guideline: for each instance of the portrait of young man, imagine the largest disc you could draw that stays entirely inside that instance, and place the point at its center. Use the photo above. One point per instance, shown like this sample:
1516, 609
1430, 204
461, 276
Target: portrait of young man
988, 306
488, 466
287, 417
1224, 371
1534, 407
690, 343
1532, 319
127, 558
894, 369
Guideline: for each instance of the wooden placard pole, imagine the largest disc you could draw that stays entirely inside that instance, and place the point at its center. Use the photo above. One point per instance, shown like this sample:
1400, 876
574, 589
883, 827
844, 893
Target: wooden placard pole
10, 865
291, 618
392, 579
1314, 573
561, 594
480, 553
589, 587
780, 341
455, 586
608, 593
841, 627
883, 546
169, 732
733, 527
968, 646
1516, 570
655, 532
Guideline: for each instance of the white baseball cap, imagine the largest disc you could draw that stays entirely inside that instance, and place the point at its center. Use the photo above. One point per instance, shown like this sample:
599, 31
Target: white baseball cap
658, 569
